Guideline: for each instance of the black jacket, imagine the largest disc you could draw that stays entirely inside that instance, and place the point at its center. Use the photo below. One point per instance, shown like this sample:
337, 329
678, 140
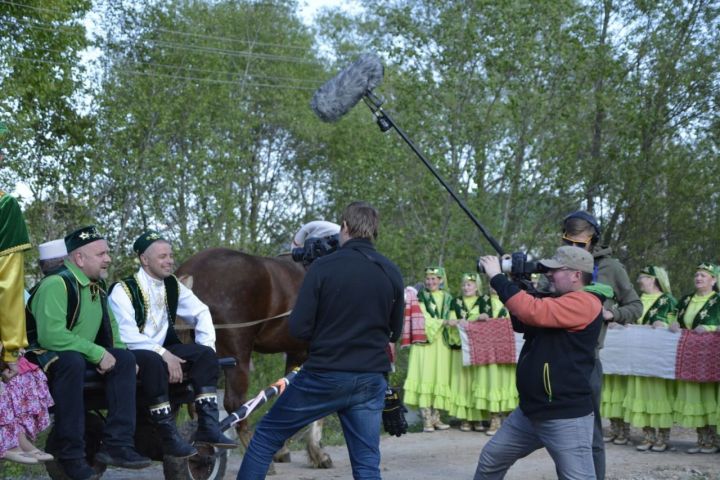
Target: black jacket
349, 308
558, 356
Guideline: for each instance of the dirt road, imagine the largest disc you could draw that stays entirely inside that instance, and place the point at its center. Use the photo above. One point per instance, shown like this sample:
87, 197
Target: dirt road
452, 455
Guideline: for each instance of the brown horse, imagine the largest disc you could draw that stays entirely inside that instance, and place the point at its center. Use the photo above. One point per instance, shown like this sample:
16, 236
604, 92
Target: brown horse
249, 299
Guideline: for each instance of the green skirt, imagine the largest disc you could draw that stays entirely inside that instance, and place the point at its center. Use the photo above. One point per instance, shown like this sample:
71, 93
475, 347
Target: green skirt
649, 402
428, 378
494, 388
614, 389
461, 388
695, 404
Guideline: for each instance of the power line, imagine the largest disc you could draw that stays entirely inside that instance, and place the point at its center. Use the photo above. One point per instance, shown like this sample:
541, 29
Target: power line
229, 39
238, 82
176, 32
192, 47
39, 9
235, 53
311, 81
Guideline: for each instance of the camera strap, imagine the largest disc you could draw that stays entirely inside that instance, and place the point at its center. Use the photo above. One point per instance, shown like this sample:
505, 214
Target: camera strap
379, 264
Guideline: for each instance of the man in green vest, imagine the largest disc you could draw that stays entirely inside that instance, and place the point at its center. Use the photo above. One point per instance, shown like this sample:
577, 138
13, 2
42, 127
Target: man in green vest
85, 338
146, 305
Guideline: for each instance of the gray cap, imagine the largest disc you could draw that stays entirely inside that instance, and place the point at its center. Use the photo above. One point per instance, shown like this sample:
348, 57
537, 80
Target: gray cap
574, 258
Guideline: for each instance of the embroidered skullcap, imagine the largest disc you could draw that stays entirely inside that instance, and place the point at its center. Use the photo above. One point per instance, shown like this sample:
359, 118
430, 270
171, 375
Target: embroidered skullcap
660, 274
437, 271
470, 277
145, 240
81, 237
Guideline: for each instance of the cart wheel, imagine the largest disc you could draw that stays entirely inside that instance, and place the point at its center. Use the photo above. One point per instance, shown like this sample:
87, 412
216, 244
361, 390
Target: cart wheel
209, 464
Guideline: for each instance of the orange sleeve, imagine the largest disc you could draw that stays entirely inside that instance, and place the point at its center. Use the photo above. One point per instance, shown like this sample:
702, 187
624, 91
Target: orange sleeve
573, 311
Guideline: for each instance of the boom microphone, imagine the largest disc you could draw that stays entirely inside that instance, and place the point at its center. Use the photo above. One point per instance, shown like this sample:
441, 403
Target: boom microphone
355, 83
344, 91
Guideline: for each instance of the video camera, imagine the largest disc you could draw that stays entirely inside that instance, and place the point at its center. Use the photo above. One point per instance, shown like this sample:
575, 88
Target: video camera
314, 248
518, 267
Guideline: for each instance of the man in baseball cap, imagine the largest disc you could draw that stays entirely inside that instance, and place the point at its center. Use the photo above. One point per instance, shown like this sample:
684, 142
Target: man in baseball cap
557, 358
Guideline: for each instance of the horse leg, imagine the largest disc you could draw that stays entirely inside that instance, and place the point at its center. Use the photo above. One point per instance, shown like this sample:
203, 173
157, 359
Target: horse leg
317, 455
236, 386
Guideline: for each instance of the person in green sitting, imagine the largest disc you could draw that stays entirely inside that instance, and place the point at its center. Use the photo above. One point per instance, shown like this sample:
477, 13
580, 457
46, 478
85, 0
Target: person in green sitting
468, 307
427, 384
695, 403
649, 400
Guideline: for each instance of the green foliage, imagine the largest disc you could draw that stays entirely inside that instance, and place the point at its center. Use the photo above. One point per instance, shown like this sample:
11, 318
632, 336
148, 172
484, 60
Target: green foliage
194, 120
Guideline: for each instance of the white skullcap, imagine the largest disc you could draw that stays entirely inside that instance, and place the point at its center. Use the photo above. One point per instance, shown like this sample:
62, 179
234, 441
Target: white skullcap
52, 249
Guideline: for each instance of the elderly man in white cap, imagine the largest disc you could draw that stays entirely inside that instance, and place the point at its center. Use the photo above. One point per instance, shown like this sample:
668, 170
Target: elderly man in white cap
553, 370
52, 256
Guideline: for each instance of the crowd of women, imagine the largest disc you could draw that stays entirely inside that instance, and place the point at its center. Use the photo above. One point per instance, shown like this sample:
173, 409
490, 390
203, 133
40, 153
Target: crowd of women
437, 380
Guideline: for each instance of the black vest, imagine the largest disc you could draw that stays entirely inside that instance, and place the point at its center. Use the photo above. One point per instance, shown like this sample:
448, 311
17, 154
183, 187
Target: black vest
172, 292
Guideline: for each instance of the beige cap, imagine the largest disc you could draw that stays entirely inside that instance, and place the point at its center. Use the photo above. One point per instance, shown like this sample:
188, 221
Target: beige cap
52, 249
574, 258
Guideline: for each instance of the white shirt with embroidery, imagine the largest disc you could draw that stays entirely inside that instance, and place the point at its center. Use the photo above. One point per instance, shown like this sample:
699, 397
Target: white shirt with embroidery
190, 309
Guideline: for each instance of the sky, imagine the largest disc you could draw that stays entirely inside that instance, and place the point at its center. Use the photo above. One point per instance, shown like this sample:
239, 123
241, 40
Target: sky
309, 8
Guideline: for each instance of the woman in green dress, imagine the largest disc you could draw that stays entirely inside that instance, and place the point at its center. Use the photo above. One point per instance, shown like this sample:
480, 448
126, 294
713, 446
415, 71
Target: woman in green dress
494, 389
649, 400
427, 384
696, 403
465, 308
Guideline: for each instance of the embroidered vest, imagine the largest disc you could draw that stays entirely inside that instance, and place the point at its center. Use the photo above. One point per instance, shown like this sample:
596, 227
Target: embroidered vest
104, 337
172, 292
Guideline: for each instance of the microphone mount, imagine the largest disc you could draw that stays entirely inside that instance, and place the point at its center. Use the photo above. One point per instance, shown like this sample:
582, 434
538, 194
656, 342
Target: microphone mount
385, 123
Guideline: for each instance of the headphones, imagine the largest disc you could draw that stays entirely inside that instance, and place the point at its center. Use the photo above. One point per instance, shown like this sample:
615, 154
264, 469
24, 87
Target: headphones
583, 215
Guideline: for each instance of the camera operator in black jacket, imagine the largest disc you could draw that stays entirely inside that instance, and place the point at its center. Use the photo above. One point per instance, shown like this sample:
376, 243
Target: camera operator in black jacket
349, 307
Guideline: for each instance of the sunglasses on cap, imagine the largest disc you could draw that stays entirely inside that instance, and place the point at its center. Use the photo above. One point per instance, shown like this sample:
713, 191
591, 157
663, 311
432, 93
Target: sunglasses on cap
575, 243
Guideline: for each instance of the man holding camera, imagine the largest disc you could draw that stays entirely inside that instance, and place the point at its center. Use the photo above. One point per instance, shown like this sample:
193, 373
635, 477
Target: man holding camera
553, 371
349, 306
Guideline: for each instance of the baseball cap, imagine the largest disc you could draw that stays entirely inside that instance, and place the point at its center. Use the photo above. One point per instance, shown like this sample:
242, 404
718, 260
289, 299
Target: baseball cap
574, 258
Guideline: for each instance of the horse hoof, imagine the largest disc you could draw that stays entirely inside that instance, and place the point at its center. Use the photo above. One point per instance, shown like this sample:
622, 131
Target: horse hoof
326, 462
283, 456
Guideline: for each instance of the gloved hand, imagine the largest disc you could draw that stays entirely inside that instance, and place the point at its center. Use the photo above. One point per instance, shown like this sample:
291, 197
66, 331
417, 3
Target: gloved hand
394, 413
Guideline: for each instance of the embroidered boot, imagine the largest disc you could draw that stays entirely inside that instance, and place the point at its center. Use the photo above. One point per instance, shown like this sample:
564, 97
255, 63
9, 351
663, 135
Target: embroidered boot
614, 431
437, 423
479, 426
661, 444
494, 424
465, 426
208, 431
700, 441
426, 415
709, 446
172, 443
623, 433
648, 441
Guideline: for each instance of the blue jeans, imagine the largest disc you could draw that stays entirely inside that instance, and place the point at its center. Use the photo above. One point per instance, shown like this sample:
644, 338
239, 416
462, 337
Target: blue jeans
567, 440
358, 399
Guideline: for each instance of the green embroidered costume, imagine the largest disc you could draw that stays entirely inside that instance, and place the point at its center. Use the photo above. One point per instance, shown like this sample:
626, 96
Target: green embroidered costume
649, 400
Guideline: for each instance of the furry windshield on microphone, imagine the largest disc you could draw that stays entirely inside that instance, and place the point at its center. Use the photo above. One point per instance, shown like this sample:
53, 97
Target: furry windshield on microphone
341, 93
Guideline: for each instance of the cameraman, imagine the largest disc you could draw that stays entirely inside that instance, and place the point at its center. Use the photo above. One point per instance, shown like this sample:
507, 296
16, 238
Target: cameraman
349, 306
553, 371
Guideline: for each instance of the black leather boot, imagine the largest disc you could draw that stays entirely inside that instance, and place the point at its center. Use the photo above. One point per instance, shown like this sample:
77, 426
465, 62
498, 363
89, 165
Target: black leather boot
208, 431
172, 443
